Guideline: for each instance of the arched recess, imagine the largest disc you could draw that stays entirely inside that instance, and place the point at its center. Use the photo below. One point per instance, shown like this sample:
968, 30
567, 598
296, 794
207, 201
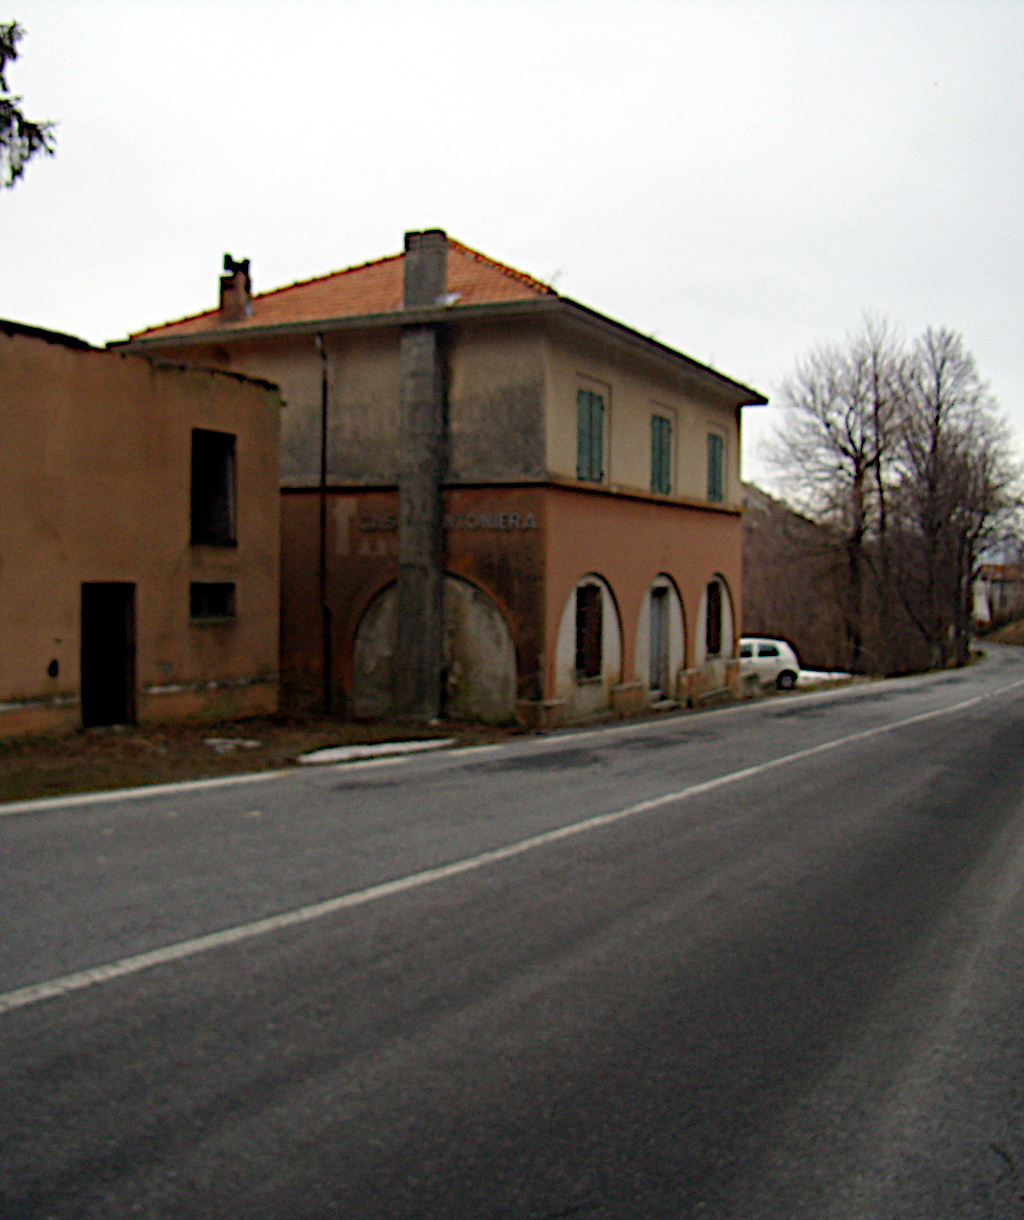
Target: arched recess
713, 639
479, 656
588, 655
660, 638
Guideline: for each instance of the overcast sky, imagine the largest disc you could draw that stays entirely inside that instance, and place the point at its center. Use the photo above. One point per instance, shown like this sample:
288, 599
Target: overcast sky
741, 180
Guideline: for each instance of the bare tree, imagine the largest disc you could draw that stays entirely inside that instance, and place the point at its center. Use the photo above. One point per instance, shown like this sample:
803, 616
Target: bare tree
20, 138
900, 454
957, 489
834, 447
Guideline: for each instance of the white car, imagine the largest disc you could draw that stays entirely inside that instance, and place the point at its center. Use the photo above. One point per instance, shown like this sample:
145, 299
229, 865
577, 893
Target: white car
774, 661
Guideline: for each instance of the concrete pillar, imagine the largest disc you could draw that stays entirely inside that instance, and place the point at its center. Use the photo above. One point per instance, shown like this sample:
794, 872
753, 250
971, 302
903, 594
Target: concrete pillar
418, 657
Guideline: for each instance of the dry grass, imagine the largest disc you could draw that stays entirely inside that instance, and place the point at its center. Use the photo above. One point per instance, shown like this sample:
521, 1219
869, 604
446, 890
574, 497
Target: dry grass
128, 756
1011, 633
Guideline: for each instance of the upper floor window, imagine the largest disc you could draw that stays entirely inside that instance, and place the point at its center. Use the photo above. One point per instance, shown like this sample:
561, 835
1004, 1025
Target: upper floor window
589, 436
661, 454
213, 488
716, 467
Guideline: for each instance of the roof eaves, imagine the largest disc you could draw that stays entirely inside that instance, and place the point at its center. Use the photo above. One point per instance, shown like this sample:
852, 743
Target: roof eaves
547, 304
389, 318
48, 336
752, 397
161, 362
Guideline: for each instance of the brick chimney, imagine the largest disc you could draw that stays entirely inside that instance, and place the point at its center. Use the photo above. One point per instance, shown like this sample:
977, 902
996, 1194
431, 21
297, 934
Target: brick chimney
235, 291
426, 269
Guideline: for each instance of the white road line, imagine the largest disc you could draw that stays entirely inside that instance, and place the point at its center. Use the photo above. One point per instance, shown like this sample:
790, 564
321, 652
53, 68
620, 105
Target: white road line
134, 794
261, 927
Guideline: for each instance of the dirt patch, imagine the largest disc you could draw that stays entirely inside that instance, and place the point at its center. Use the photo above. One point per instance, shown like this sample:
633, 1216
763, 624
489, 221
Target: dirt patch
129, 756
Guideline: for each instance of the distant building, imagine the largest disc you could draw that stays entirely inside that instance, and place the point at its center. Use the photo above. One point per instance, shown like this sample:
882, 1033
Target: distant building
998, 594
526, 508
138, 537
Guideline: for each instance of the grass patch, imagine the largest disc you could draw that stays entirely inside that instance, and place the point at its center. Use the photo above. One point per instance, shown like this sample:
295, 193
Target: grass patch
1009, 633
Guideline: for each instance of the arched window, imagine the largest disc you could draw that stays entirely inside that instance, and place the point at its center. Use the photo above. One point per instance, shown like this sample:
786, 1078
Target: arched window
713, 620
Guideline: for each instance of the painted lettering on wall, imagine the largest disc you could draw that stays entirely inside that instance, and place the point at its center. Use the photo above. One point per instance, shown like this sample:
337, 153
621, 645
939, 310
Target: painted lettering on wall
377, 522
489, 521
370, 523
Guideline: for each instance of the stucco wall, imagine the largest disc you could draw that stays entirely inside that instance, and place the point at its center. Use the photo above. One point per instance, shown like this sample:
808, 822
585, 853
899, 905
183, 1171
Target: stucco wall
633, 392
494, 539
496, 403
495, 397
95, 487
629, 544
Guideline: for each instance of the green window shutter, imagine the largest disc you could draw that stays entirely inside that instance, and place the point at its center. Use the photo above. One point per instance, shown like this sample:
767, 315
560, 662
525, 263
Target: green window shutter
582, 435
716, 467
597, 438
589, 436
661, 454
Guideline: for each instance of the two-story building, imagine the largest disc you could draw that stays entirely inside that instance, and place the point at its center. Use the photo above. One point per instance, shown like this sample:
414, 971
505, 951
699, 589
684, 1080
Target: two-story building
495, 501
139, 537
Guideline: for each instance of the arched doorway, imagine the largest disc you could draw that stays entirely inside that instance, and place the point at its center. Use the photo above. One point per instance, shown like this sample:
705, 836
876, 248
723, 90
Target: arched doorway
660, 639
479, 656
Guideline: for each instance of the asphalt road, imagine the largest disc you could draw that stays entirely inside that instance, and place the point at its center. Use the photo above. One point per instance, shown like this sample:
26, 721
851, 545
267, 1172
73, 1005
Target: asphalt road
761, 962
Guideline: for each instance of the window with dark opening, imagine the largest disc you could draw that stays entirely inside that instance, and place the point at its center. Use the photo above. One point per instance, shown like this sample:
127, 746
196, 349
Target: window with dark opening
208, 599
588, 631
589, 436
713, 620
213, 488
661, 454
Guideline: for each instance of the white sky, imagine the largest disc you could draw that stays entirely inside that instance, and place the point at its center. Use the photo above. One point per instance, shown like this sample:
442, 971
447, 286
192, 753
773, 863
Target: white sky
742, 180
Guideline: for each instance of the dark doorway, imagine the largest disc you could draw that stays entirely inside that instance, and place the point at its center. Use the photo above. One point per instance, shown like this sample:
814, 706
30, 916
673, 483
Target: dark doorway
713, 622
108, 654
588, 631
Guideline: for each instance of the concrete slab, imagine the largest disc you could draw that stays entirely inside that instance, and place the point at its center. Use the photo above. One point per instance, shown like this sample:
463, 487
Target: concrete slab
382, 749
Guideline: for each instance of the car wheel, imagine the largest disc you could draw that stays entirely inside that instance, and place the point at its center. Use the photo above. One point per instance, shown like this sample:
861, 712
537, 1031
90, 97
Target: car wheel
786, 680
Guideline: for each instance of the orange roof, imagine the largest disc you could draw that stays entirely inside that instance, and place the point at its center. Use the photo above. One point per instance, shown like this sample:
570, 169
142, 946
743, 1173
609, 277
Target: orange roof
1002, 571
374, 287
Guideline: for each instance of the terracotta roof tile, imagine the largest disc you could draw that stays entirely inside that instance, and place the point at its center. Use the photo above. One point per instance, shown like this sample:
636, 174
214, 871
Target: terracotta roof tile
368, 288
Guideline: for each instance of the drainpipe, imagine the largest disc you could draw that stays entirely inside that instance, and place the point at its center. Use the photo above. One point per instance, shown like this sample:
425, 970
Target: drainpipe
325, 609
